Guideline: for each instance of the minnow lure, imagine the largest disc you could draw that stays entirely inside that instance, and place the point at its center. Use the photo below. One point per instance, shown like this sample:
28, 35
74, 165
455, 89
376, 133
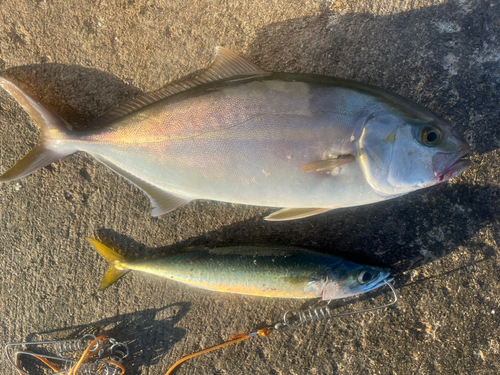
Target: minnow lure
281, 272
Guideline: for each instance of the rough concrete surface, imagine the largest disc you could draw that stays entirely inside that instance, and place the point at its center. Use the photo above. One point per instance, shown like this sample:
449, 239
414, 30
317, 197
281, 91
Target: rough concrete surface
84, 57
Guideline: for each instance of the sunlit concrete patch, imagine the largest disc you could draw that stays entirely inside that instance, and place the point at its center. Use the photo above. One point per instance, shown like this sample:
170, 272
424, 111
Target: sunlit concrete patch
382, 7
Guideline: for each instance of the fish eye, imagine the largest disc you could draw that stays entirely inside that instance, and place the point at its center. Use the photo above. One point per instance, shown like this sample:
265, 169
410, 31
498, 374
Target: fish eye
366, 276
431, 136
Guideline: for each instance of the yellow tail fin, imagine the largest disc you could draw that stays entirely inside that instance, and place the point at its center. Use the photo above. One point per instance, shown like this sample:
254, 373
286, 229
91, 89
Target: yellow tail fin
117, 263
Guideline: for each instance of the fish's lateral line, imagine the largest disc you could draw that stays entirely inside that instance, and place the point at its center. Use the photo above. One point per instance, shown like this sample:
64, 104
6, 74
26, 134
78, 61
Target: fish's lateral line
238, 134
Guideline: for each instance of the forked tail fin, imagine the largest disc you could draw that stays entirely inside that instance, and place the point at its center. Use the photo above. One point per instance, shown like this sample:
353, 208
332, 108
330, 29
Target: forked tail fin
117, 263
52, 129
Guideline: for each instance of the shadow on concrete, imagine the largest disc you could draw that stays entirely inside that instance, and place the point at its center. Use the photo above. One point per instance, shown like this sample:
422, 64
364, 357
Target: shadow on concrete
403, 234
424, 55
149, 334
443, 57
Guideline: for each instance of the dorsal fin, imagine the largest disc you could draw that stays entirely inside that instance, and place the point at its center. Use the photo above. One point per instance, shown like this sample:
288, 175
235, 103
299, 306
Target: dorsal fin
226, 65
194, 248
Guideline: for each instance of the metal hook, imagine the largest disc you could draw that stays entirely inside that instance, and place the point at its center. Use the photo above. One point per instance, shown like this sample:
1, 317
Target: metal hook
88, 368
46, 356
119, 351
321, 313
62, 347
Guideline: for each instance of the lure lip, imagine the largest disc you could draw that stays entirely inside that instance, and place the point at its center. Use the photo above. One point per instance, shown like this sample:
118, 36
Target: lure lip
381, 281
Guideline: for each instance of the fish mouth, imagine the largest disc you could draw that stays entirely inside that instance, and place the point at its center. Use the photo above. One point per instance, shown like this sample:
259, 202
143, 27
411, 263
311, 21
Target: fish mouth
455, 169
447, 166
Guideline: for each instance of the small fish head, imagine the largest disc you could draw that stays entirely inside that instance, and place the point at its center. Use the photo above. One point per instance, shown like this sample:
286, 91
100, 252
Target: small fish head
401, 154
351, 279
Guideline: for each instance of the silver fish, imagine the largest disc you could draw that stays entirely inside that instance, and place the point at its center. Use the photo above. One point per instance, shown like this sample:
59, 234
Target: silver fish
239, 134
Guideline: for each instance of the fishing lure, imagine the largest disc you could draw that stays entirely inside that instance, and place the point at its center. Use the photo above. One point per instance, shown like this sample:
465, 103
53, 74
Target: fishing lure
268, 271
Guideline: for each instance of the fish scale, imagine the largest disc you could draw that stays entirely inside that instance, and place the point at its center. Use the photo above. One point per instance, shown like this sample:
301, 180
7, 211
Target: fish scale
242, 135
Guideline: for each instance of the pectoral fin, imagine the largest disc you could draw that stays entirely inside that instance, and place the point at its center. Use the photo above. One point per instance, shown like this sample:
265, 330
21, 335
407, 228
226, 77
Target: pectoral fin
161, 200
295, 213
327, 165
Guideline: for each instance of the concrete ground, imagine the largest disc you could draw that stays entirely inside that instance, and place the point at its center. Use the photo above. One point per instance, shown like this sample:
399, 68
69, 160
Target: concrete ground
83, 58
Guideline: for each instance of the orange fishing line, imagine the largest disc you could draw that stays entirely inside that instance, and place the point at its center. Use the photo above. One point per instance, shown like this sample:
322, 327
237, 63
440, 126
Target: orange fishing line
264, 332
119, 365
86, 354
44, 360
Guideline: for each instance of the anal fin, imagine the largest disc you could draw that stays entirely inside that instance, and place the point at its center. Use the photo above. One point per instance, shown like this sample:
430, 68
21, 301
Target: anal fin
161, 200
295, 213
327, 165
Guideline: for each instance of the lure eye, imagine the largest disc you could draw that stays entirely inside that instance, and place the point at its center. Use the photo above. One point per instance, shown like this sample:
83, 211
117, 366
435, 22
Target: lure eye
431, 136
366, 276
